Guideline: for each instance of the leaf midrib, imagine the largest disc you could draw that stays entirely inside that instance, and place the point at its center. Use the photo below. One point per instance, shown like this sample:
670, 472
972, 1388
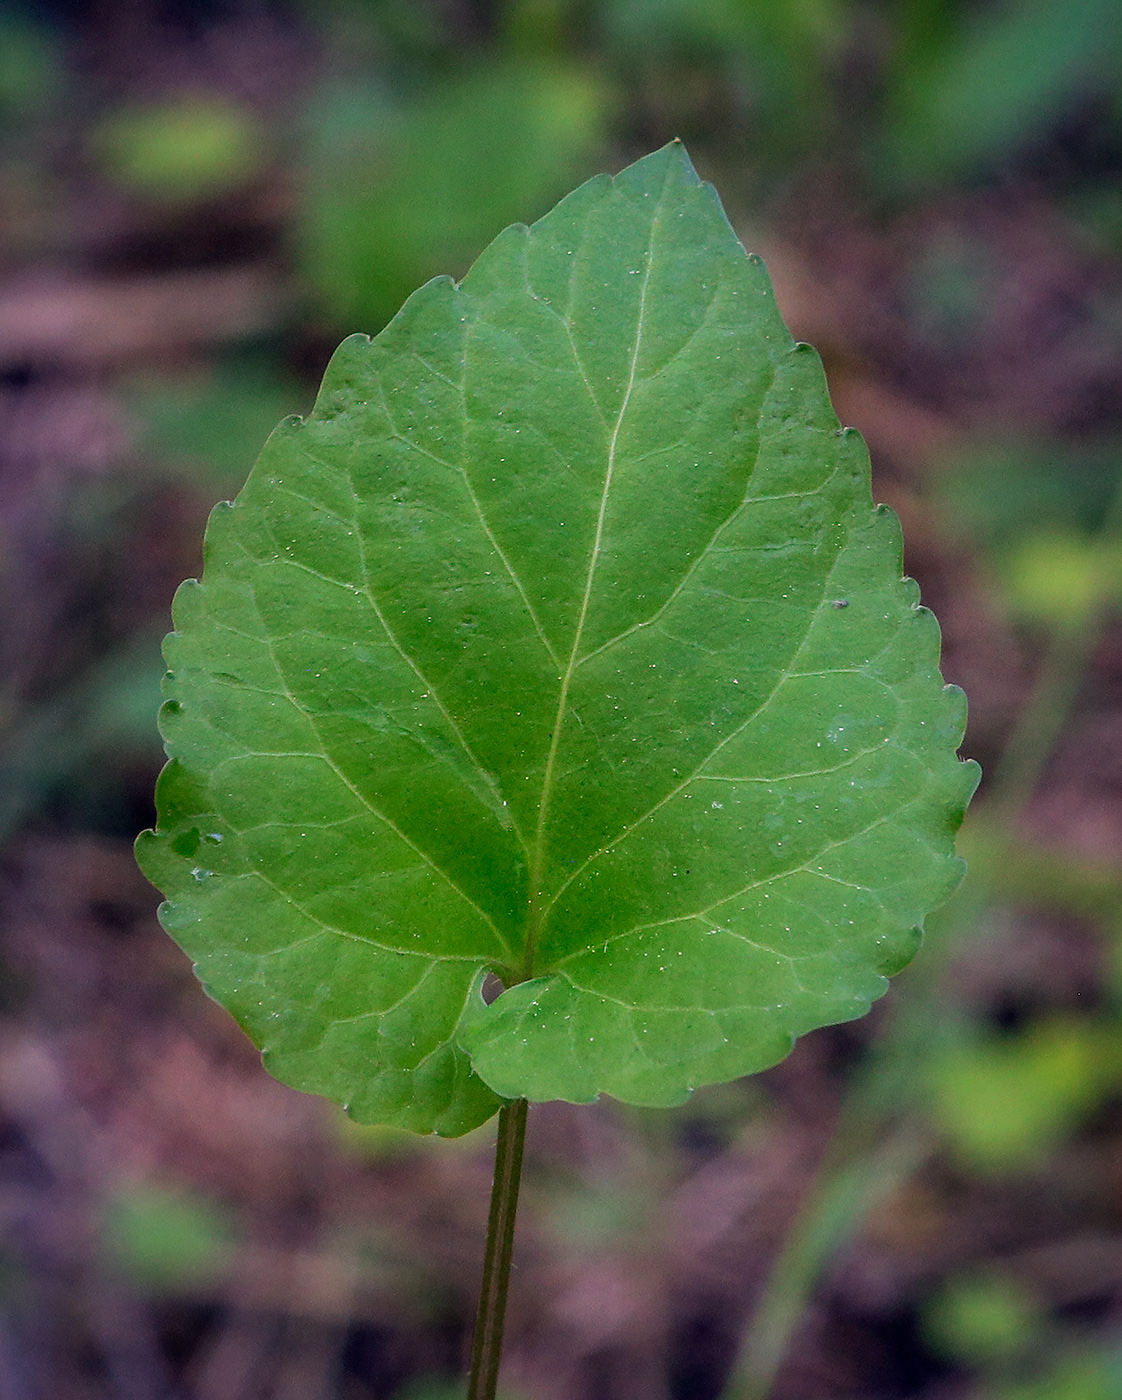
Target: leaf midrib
536, 911
784, 674
539, 904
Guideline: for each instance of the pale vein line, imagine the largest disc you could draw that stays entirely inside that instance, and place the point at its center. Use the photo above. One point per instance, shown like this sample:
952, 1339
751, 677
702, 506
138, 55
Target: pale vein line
635, 1041
798, 495
695, 916
311, 501
238, 631
379, 1014
374, 811
714, 1014
368, 593
805, 868
837, 880
298, 942
236, 683
709, 548
661, 452
325, 927
791, 958
495, 545
432, 369
531, 428
564, 319
702, 325
260, 753
674, 791
393, 826
566, 680
287, 560
462, 471
907, 620
838, 767
295, 826
781, 679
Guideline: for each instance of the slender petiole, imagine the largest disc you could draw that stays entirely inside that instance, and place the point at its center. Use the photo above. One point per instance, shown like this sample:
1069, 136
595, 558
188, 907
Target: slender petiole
487, 1349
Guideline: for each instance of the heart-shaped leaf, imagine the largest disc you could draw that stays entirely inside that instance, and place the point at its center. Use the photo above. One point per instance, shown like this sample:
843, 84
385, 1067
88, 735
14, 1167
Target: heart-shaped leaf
562, 640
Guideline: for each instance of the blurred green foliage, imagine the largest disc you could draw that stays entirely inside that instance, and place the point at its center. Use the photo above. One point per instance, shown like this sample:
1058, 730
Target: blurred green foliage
976, 83
994, 493
1006, 1102
398, 190
1058, 578
29, 67
182, 150
982, 1318
1081, 1374
991, 1322
212, 426
1043, 521
164, 1239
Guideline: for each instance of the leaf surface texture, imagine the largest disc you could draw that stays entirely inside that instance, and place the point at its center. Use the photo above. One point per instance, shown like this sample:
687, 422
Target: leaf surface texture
561, 640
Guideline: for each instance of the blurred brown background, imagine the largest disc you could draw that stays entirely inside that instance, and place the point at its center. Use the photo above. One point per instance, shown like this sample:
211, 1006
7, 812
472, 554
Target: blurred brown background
197, 200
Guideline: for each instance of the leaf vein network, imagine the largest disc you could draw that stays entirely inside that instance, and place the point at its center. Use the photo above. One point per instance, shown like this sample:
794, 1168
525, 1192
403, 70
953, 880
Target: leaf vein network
333, 929
594, 555
702, 325
838, 767
310, 500
368, 592
381, 816
691, 568
461, 471
565, 317
805, 867
633, 1006
783, 676
487, 530
381, 1012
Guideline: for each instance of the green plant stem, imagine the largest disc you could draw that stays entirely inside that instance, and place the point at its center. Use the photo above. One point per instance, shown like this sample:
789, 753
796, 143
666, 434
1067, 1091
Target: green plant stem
487, 1349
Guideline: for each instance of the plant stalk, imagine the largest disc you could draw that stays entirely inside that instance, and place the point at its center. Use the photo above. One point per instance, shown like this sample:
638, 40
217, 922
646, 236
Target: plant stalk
487, 1348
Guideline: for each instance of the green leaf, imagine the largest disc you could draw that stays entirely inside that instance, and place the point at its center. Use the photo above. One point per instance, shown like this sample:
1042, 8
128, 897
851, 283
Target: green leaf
563, 641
